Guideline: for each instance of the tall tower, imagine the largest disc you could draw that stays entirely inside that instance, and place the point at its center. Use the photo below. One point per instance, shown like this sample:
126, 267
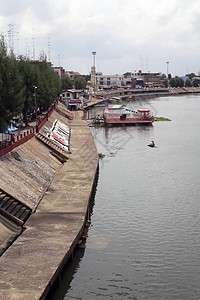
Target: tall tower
93, 74
93, 77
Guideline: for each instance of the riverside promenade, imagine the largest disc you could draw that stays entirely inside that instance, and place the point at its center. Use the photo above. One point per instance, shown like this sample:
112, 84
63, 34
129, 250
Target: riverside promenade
60, 195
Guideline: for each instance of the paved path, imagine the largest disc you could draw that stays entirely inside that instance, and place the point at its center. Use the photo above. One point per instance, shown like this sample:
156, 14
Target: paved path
31, 264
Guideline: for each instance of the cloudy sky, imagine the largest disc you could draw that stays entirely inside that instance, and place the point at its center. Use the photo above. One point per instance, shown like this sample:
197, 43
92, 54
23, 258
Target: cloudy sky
127, 35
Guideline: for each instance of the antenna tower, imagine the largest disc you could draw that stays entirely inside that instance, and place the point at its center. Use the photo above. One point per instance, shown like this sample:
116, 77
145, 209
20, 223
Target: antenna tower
49, 47
11, 37
18, 43
33, 48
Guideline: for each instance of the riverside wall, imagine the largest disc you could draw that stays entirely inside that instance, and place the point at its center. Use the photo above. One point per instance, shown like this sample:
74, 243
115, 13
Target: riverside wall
59, 195
131, 94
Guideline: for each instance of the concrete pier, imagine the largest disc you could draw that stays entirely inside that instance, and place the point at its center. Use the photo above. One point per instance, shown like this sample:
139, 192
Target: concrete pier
31, 264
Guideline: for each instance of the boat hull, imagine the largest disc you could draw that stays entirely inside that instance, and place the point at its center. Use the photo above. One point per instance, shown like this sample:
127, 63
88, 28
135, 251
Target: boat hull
128, 121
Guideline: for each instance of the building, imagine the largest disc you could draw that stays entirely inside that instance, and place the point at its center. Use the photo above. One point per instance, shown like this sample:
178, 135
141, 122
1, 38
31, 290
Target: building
108, 81
129, 79
73, 98
152, 79
60, 71
72, 74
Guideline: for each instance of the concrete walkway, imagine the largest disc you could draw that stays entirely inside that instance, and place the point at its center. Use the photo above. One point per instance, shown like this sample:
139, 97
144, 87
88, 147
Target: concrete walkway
29, 267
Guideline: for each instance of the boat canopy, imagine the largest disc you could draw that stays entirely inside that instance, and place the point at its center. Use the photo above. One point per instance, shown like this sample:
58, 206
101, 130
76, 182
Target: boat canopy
143, 110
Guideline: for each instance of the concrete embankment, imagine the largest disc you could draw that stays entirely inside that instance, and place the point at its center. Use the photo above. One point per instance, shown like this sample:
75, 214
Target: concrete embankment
59, 193
132, 94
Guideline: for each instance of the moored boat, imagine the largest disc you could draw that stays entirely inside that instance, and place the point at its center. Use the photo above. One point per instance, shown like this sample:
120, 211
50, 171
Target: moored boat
137, 117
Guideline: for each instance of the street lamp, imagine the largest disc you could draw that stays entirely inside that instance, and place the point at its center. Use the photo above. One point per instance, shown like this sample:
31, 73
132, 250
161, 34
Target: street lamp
167, 72
94, 53
35, 98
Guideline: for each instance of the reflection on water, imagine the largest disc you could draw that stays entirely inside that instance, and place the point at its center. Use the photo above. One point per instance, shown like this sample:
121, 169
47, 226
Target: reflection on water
144, 241
67, 276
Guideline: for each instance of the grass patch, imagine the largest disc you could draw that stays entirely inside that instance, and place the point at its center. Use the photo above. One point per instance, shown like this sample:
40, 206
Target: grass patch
97, 124
101, 155
161, 119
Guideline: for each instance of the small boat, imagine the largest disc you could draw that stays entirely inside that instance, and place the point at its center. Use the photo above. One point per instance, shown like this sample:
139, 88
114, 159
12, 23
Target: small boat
152, 144
138, 117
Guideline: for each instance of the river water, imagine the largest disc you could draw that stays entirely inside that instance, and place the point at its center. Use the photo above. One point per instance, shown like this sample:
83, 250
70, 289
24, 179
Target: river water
144, 238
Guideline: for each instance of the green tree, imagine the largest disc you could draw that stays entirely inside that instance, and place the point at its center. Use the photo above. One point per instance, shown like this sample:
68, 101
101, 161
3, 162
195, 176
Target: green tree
163, 76
79, 83
188, 82
176, 82
195, 82
67, 83
11, 86
190, 75
87, 77
29, 75
180, 81
172, 82
17, 81
48, 84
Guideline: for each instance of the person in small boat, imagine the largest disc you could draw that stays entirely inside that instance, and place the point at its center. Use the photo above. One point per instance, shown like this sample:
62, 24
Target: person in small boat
151, 144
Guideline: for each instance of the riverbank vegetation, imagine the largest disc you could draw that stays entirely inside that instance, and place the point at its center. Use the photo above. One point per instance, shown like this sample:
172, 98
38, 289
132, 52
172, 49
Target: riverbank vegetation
161, 119
101, 155
79, 82
178, 82
25, 86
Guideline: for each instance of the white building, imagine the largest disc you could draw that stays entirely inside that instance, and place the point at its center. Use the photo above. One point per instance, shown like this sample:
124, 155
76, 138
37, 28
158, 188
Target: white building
128, 79
106, 81
73, 98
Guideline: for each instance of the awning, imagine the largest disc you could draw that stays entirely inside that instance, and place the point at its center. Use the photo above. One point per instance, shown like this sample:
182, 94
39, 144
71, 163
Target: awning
72, 103
10, 129
75, 101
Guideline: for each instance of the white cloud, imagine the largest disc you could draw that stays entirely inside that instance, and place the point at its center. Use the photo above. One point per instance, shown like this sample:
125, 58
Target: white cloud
127, 35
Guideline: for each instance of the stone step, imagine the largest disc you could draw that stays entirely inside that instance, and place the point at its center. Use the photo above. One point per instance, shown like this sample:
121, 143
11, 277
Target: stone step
13, 210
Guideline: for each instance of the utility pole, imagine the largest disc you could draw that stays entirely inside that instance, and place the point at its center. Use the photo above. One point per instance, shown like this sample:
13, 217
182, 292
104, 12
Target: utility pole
35, 98
94, 53
167, 73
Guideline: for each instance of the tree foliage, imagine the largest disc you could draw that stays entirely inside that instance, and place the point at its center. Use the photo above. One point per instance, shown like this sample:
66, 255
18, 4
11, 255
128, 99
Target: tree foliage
11, 87
163, 76
17, 81
176, 82
195, 82
67, 83
188, 82
165, 81
87, 77
79, 82
190, 75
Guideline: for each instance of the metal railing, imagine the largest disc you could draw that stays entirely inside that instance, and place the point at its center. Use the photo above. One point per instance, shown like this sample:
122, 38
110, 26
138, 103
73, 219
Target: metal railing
7, 146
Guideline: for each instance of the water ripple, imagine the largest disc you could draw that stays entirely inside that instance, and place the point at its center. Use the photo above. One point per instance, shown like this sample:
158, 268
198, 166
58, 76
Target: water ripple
144, 242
